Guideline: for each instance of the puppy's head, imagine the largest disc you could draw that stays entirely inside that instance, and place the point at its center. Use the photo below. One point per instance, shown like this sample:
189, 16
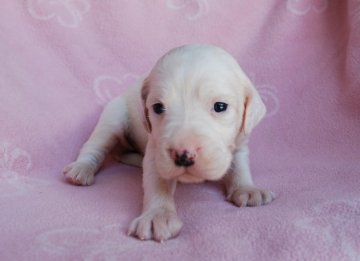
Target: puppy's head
198, 105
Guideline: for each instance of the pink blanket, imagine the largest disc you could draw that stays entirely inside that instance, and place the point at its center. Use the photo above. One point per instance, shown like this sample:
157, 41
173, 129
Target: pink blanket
62, 60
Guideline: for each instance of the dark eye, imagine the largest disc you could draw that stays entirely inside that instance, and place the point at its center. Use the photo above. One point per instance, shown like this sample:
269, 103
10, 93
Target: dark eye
220, 106
158, 108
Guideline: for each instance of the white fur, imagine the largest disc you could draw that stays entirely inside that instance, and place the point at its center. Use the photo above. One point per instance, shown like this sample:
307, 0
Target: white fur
188, 81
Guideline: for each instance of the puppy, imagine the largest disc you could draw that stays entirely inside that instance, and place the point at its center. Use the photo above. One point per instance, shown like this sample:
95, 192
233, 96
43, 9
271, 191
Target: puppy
190, 120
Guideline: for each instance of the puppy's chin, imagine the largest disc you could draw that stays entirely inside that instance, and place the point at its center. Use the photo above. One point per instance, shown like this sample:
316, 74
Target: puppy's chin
188, 178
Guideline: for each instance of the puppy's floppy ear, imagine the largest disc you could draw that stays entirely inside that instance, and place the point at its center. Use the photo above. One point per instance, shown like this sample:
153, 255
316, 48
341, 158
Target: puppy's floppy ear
254, 110
145, 89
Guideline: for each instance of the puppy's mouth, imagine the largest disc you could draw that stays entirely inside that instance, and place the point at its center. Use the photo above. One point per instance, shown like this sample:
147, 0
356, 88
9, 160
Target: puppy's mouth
185, 174
192, 175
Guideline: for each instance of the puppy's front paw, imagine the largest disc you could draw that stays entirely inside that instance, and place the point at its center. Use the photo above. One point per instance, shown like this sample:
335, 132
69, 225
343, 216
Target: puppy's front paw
158, 224
79, 173
250, 196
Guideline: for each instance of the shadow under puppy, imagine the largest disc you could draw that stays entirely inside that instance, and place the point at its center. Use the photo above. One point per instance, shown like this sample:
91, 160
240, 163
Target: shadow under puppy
190, 120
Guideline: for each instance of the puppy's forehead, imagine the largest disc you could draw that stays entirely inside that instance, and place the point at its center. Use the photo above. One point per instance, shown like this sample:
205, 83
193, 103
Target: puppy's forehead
196, 60
196, 66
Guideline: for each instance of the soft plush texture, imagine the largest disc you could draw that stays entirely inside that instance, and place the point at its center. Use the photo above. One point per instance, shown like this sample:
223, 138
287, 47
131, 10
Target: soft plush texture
62, 60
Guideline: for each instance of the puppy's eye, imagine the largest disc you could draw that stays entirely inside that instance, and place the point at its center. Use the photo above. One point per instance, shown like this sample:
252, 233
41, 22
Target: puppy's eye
158, 108
220, 106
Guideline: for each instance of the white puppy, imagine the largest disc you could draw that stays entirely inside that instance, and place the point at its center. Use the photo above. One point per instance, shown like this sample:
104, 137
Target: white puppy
190, 118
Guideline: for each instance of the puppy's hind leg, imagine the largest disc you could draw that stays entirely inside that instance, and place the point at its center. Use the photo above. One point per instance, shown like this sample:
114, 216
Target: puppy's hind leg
108, 132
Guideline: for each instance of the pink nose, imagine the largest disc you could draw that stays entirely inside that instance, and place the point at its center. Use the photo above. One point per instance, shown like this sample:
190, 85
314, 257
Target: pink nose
183, 157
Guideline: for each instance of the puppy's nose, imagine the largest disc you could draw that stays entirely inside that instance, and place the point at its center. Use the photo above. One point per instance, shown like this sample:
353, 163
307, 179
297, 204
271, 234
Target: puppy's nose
183, 158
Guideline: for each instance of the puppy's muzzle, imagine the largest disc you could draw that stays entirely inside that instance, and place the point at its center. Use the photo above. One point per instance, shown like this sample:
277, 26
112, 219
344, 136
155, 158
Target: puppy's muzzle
183, 158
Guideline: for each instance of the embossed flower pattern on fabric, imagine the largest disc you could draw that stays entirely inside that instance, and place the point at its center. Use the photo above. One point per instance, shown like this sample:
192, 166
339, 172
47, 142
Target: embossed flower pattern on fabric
107, 87
109, 242
15, 163
68, 13
335, 223
302, 7
193, 9
269, 95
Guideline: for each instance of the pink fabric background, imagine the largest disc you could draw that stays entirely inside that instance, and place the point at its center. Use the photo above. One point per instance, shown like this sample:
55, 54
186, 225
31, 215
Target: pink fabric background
62, 60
